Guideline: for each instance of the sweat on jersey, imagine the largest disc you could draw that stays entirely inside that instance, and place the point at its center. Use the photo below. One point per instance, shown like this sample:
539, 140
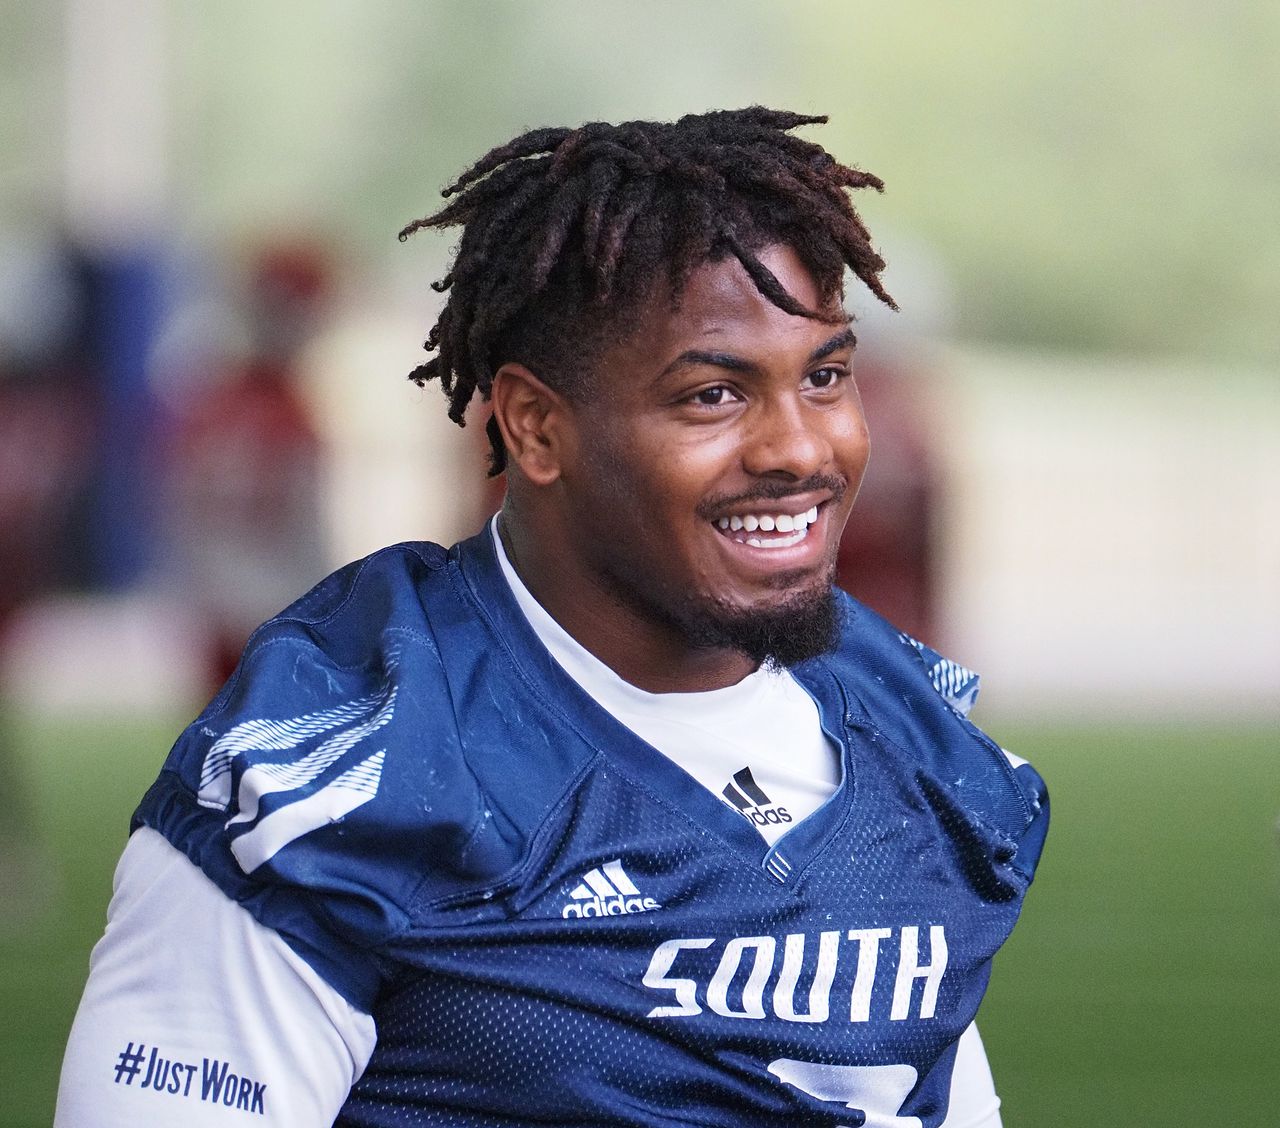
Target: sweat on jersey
403, 785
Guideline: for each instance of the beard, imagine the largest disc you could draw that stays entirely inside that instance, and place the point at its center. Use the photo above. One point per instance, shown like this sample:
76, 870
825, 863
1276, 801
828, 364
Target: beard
799, 626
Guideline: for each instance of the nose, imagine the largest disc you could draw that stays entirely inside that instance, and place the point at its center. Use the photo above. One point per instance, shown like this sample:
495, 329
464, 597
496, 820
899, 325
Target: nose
787, 439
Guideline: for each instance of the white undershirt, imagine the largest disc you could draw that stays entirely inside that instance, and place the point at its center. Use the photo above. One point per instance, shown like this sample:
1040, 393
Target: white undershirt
766, 722
186, 970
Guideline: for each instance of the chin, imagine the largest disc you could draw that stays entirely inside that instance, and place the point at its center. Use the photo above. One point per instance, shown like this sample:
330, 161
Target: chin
784, 632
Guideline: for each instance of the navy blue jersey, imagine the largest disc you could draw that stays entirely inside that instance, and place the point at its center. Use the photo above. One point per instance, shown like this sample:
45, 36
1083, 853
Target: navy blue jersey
552, 922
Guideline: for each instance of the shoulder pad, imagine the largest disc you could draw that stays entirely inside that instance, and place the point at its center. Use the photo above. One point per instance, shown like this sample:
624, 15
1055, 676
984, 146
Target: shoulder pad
957, 684
328, 777
920, 702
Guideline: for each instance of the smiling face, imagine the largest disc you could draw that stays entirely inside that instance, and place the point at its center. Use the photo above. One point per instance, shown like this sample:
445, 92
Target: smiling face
701, 487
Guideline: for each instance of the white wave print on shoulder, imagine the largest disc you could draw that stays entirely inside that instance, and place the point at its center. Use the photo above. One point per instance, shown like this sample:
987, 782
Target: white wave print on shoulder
957, 684
338, 731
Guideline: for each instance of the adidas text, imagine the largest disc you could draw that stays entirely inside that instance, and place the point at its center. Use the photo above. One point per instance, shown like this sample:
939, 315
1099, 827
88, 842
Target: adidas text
607, 891
609, 906
762, 815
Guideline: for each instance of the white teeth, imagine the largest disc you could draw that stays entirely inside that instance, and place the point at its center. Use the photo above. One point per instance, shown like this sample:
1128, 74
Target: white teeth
777, 542
783, 523
800, 520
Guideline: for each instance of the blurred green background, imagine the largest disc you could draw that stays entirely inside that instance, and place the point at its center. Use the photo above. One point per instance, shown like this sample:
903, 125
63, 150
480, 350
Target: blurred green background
1097, 176
1099, 185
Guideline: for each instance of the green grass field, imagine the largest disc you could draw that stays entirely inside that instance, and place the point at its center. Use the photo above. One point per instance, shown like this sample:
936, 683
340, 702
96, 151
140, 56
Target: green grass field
1142, 988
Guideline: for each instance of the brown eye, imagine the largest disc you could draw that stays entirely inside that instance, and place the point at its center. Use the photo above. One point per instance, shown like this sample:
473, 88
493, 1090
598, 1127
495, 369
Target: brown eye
823, 378
712, 397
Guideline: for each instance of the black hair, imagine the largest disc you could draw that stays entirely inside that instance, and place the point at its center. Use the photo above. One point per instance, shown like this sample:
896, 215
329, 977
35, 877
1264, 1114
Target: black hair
567, 231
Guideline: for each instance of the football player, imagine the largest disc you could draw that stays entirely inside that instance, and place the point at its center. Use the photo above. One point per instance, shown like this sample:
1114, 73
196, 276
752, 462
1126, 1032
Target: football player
617, 813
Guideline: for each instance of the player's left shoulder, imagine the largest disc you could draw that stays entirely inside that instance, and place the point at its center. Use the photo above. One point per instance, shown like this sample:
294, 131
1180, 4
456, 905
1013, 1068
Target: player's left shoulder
920, 700
958, 687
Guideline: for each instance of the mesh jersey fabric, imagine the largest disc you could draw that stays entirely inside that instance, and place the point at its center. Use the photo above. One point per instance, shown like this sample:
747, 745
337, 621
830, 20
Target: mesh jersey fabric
405, 787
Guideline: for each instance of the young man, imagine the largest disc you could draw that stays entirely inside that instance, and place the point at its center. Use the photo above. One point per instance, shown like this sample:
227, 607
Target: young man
618, 812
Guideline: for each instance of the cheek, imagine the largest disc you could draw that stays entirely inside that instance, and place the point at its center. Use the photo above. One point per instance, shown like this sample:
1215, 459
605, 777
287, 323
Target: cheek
851, 445
676, 470
630, 489
857, 453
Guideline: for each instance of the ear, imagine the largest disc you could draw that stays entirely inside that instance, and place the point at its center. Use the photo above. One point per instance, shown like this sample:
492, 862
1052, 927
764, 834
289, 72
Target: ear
536, 423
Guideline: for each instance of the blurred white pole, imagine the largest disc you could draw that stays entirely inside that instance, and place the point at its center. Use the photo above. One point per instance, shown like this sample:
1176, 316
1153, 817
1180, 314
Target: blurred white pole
116, 158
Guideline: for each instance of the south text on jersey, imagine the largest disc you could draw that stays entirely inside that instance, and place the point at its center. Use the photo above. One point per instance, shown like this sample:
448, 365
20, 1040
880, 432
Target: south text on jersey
831, 975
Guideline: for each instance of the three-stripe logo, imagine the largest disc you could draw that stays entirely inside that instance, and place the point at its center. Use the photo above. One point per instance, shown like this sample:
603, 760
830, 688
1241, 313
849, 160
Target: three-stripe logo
607, 891
751, 801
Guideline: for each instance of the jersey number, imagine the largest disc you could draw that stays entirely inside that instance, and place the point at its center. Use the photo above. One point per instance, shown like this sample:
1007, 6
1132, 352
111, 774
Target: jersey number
877, 1091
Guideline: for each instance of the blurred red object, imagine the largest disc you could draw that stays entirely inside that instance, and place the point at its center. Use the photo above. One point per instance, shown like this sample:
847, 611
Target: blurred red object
888, 555
245, 461
46, 454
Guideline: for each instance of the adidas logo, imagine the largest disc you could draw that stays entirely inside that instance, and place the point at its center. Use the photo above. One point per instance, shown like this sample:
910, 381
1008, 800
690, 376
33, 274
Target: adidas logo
607, 891
751, 801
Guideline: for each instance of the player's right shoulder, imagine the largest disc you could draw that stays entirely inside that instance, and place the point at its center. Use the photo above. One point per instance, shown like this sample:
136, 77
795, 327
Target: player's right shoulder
323, 682
397, 570
329, 775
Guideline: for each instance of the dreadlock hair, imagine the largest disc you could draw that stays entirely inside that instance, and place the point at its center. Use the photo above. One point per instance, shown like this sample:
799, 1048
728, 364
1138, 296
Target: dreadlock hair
566, 233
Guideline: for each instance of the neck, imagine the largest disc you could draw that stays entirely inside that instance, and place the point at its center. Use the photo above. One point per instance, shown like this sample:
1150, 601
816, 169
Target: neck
652, 656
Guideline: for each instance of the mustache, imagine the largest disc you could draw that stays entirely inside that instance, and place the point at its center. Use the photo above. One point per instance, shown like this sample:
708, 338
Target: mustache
774, 491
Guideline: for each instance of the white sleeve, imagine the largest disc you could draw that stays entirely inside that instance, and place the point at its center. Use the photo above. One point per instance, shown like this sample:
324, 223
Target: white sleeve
193, 1010
974, 1103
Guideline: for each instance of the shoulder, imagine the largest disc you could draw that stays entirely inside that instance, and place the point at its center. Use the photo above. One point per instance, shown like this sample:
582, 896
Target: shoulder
888, 671
319, 687
331, 786
920, 701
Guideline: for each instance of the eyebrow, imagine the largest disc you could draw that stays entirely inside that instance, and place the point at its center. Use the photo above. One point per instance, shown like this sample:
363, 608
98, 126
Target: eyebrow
733, 363
839, 341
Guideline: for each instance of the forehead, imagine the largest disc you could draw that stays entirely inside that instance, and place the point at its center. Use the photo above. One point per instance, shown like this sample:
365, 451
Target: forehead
721, 304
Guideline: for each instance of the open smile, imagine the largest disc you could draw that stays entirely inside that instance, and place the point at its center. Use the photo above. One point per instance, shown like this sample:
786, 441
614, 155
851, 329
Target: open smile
768, 530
